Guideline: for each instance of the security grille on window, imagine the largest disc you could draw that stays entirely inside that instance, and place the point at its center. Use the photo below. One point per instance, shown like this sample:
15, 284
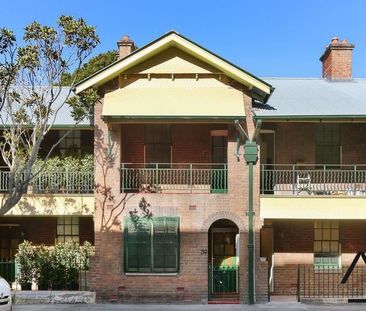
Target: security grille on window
326, 244
70, 144
68, 229
151, 245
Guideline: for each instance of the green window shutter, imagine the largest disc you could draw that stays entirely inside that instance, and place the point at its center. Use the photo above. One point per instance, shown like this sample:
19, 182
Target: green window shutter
159, 244
152, 245
138, 245
166, 244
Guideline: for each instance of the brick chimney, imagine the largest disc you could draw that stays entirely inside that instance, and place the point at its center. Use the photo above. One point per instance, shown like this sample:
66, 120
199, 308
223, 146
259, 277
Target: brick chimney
125, 47
337, 60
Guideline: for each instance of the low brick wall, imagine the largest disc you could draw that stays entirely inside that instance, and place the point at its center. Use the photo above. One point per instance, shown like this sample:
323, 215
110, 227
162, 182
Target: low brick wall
45, 297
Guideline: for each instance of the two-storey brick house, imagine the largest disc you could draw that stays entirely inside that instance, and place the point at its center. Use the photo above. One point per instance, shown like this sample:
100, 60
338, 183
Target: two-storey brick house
313, 151
165, 131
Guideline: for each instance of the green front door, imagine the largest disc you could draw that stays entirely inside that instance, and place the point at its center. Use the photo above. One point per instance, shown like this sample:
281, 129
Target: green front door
223, 268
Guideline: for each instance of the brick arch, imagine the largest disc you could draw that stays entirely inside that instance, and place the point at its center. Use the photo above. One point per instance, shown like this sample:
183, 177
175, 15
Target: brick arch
235, 218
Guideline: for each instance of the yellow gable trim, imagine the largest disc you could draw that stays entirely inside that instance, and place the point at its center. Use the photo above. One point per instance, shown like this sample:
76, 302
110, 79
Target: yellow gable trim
186, 98
173, 40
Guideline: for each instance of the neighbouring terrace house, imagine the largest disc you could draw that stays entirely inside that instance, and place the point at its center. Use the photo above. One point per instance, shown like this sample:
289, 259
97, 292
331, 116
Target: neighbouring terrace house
313, 179
59, 203
165, 131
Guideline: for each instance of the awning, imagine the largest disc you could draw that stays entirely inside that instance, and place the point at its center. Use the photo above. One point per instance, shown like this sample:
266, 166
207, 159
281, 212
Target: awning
174, 103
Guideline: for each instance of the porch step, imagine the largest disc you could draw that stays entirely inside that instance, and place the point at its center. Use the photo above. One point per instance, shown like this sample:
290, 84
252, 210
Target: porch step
223, 302
224, 298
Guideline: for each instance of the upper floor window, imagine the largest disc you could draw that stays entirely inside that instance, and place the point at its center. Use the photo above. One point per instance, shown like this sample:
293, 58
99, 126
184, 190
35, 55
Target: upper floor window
71, 144
328, 144
158, 147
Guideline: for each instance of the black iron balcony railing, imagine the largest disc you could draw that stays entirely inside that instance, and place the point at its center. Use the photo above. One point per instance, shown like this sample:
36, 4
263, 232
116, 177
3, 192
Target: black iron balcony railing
58, 181
174, 178
313, 179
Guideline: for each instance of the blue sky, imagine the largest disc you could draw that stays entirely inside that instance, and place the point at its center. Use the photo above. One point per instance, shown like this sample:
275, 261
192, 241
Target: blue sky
269, 38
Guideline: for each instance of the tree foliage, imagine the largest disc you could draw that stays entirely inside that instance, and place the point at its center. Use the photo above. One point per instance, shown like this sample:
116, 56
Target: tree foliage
30, 88
92, 66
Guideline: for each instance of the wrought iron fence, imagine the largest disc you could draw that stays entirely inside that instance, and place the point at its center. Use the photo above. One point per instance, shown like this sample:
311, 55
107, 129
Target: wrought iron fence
197, 178
61, 181
8, 270
325, 282
313, 179
222, 281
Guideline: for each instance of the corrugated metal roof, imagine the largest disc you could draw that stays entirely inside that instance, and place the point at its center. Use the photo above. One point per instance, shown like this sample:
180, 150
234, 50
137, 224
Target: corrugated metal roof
63, 118
301, 97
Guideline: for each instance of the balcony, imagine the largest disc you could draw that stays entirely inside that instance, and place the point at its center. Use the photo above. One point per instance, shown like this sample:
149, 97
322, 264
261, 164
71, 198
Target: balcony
55, 182
174, 178
313, 179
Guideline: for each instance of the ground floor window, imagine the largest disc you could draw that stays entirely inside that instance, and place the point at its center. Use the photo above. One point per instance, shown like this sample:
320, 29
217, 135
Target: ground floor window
326, 244
67, 229
151, 245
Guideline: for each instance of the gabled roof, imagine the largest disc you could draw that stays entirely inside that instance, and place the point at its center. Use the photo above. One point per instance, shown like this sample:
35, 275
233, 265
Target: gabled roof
314, 99
260, 89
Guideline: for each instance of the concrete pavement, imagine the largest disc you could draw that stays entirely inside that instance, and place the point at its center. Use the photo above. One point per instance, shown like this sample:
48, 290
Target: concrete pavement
273, 306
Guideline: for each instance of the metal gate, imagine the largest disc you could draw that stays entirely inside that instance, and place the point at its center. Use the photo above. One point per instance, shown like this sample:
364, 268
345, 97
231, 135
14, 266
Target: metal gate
223, 280
8, 270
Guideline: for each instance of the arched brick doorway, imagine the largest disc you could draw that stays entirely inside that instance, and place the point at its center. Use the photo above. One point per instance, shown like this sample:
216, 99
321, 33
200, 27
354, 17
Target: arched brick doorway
223, 261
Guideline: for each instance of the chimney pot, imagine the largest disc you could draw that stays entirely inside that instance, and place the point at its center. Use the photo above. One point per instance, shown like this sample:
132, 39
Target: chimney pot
125, 46
337, 60
334, 41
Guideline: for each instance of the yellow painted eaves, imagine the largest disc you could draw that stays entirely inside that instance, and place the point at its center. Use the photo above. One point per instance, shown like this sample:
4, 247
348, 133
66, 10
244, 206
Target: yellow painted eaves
173, 40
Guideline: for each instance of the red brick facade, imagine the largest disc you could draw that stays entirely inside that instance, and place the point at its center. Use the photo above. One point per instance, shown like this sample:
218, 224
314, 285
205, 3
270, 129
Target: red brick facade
190, 144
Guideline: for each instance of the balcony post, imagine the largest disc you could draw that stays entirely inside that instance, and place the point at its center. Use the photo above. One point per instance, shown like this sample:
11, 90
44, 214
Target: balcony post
354, 179
293, 179
156, 176
324, 177
190, 177
67, 180
122, 178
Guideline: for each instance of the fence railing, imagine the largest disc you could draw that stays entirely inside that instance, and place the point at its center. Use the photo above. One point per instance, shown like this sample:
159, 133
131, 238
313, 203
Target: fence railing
61, 181
222, 281
313, 179
8, 270
325, 282
181, 178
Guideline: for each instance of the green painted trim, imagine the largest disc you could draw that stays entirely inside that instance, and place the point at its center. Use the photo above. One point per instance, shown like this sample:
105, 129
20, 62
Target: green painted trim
310, 117
170, 119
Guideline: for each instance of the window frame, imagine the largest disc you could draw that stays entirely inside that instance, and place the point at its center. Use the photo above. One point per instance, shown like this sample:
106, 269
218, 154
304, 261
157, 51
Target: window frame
322, 227
153, 270
62, 237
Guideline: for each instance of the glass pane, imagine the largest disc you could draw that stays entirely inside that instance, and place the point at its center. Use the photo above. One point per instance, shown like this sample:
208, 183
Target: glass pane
60, 220
335, 224
334, 247
75, 229
75, 220
317, 224
326, 224
75, 239
325, 247
317, 247
326, 234
68, 220
317, 234
67, 230
335, 235
60, 230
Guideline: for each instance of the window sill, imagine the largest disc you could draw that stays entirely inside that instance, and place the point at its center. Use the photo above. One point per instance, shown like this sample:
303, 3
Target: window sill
150, 274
